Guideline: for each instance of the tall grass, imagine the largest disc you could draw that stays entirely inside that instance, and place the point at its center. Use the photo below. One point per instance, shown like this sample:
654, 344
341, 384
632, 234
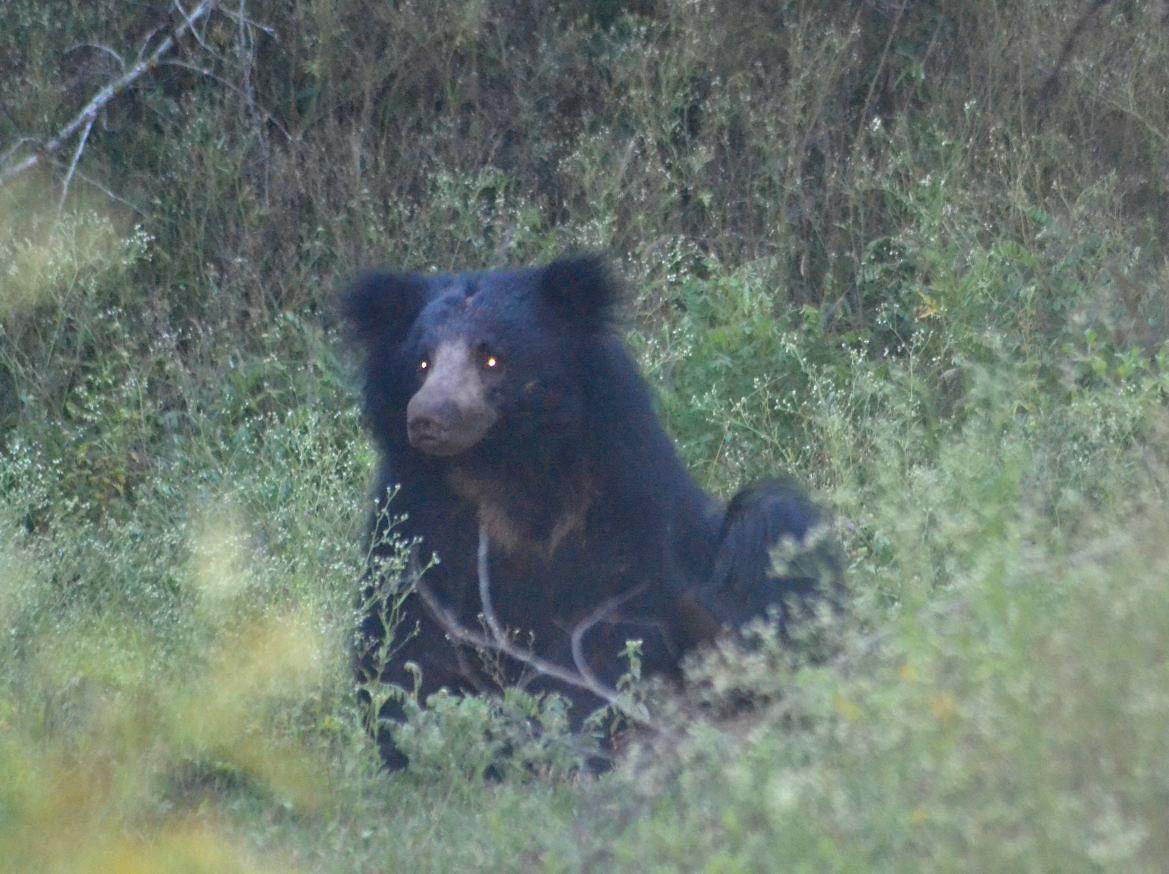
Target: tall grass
913, 253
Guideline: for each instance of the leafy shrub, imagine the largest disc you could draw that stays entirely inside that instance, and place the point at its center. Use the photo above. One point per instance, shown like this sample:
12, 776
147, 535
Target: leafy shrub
913, 253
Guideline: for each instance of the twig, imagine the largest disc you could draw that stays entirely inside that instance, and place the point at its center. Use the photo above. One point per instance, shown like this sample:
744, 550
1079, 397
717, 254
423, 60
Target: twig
582, 628
146, 42
587, 678
96, 45
211, 74
12, 150
863, 120
73, 164
194, 31
461, 633
1051, 85
484, 572
85, 118
246, 48
240, 16
89, 180
498, 640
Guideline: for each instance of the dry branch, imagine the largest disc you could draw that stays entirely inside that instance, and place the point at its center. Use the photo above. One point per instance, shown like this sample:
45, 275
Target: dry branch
1051, 85
498, 641
84, 120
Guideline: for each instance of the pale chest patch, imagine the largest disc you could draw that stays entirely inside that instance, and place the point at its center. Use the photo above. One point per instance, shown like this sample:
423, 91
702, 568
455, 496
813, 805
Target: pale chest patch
516, 524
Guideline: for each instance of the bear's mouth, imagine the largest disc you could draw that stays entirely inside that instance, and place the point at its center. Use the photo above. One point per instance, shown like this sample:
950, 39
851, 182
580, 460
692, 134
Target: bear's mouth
441, 442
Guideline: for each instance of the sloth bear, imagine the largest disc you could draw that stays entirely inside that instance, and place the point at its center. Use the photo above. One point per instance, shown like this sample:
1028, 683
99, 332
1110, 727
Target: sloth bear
514, 430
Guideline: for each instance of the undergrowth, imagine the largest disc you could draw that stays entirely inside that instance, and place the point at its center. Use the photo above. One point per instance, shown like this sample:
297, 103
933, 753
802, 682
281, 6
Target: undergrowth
912, 253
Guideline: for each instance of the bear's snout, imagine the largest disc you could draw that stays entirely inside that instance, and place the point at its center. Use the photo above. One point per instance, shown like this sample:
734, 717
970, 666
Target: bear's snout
449, 414
428, 424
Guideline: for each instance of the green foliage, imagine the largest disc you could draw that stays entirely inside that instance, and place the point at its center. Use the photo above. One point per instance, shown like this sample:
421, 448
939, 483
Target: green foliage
913, 253
521, 736
1012, 723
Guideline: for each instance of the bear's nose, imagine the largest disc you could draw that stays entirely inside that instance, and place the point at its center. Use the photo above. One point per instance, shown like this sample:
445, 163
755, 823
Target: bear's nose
430, 421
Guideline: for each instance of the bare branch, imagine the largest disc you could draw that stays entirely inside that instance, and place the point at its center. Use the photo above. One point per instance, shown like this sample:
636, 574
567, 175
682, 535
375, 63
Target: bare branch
89, 180
462, 634
215, 77
582, 628
73, 164
146, 42
12, 150
20, 167
1051, 85
95, 45
193, 30
242, 17
85, 118
498, 640
485, 586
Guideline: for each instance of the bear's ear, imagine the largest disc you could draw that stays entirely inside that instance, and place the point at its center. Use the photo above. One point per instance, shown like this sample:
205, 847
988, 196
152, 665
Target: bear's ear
379, 306
582, 289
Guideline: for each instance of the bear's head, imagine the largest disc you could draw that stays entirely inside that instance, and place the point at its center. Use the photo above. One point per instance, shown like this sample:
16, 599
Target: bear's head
452, 360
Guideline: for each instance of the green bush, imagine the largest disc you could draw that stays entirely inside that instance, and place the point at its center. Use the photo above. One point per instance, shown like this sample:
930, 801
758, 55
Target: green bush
912, 253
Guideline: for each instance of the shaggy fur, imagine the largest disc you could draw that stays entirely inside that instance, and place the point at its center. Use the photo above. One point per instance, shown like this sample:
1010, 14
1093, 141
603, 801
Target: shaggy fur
506, 400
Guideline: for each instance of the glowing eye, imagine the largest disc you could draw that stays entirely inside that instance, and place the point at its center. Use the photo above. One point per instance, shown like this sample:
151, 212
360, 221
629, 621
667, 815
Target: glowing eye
423, 364
491, 362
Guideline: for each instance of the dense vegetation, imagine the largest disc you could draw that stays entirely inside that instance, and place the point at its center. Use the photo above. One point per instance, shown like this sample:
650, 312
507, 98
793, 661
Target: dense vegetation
914, 253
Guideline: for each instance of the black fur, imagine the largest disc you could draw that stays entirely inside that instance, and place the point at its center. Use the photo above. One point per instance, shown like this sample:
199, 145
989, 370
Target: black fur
580, 486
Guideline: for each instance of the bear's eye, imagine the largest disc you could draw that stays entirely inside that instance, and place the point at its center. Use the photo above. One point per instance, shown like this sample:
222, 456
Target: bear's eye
486, 356
423, 364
